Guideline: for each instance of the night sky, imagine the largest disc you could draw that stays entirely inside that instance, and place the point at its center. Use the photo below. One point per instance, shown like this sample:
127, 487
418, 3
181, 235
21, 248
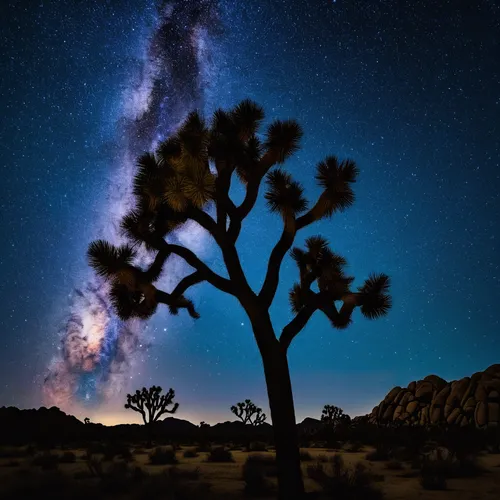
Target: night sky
409, 90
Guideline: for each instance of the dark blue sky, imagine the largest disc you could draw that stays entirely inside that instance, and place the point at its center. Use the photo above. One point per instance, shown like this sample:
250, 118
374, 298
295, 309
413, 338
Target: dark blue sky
410, 90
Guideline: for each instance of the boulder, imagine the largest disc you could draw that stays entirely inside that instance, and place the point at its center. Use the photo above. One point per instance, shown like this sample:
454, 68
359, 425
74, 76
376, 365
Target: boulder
493, 413
481, 414
424, 391
473, 400
392, 394
436, 381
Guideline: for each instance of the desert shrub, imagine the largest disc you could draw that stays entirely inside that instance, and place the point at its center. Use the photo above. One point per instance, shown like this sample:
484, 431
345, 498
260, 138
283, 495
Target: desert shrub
255, 471
183, 474
257, 446
305, 456
219, 454
163, 455
190, 454
46, 460
267, 462
394, 465
112, 450
167, 486
120, 478
341, 482
204, 448
68, 457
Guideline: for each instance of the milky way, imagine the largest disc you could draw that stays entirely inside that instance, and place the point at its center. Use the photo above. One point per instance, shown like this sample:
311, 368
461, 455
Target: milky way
97, 351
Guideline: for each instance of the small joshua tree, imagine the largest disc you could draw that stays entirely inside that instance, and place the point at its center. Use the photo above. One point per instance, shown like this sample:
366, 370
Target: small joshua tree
191, 172
151, 404
86, 420
249, 413
333, 415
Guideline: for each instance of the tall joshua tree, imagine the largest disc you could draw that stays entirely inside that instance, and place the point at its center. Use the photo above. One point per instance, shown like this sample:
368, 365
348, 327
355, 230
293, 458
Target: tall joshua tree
193, 170
249, 413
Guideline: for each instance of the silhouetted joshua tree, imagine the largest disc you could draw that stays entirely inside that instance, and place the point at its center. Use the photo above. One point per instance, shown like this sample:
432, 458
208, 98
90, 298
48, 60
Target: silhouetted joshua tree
86, 420
151, 404
191, 172
204, 425
333, 415
246, 411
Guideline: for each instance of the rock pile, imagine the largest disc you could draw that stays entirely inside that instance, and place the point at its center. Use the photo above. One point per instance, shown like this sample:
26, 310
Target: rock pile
471, 400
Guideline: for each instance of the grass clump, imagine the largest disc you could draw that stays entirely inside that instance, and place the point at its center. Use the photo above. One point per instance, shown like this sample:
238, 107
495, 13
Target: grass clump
255, 472
338, 481
219, 454
163, 455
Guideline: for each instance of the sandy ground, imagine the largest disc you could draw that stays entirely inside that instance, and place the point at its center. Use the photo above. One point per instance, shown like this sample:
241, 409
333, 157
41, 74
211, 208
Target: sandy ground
226, 477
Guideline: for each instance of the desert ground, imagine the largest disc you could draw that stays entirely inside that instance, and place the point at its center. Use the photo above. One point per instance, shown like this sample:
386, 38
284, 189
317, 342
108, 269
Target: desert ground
395, 480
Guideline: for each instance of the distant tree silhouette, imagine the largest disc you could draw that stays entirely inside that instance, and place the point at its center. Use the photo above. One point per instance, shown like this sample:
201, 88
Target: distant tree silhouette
246, 411
151, 404
86, 420
204, 425
333, 415
193, 170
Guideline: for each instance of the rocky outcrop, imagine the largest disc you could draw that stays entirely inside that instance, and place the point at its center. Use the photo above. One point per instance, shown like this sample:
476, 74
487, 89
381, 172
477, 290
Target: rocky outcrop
471, 400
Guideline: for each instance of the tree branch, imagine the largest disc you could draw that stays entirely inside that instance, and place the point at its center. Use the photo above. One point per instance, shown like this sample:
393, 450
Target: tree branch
295, 326
204, 220
205, 272
241, 211
316, 213
155, 269
271, 282
317, 301
185, 283
342, 318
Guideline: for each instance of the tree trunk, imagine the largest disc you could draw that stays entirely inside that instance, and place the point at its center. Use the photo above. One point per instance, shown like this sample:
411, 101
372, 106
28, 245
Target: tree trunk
279, 389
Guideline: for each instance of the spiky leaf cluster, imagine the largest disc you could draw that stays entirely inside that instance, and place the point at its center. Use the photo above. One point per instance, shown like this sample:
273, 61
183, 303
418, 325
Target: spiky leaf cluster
374, 296
131, 291
317, 263
284, 194
151, 404
336, 177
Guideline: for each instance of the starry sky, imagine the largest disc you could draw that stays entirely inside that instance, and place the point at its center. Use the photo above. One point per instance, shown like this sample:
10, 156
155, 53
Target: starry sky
410, 90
